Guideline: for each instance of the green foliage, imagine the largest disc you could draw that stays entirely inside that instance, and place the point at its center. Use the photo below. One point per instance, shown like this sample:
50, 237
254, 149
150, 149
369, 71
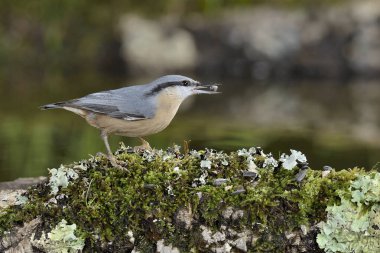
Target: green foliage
354, 225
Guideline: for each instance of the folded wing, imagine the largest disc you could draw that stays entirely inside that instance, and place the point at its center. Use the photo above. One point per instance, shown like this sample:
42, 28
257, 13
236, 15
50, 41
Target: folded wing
126, 103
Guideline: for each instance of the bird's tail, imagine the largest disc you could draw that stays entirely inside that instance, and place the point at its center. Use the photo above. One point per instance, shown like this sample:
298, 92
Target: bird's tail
52, 106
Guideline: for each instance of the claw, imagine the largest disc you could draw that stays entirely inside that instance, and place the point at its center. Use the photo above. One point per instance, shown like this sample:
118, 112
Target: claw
110, 156
117, 164
144, 146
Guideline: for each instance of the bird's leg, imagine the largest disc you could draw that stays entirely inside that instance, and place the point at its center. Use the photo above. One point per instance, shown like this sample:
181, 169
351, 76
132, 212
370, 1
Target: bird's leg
110, 156
144, 145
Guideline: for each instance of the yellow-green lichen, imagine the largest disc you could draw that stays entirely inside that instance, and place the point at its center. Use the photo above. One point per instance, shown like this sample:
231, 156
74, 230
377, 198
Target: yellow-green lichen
354, 225
61, 239
365, 190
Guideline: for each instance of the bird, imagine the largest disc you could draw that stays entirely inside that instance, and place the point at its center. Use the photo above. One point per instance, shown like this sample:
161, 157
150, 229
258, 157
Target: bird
135, 111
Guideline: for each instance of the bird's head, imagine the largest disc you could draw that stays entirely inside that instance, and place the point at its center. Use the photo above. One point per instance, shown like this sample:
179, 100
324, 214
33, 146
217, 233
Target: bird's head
181, 86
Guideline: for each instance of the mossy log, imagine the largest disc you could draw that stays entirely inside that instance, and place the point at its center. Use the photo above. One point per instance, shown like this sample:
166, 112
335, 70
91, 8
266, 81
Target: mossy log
197, 201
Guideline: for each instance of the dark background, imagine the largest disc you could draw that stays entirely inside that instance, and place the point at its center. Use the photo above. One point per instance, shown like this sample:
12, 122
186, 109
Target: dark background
296, 75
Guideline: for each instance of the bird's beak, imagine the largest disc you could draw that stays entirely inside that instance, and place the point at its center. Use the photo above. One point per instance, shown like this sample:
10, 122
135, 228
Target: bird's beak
206, 89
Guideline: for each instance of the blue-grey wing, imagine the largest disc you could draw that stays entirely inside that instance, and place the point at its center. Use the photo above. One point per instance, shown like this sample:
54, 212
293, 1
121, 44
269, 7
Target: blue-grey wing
128, 103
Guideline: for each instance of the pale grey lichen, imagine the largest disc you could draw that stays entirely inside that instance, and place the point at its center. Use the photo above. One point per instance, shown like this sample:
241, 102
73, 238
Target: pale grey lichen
247, 153
250, 159
169, 190
206, 164
21, 200
131, 236
195, 154
167, 156
287, 161
176, 169
290, 161
176, 148
10, 198
52, 201
202, 180
252, 167
241, 244
226, 248
60, 240
162, 248
270, 162
149, 155
60, 178
225, 162
81, 166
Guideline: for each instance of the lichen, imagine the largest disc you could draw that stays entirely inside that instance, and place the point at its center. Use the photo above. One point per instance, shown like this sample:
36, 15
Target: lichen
60, 178
21, 200
290, 161
365, 190
246, 195
162, 248
61, 239
354, 224
12, 197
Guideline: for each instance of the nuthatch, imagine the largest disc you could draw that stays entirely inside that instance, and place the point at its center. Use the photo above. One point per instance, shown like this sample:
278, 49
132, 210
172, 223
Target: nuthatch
135, 111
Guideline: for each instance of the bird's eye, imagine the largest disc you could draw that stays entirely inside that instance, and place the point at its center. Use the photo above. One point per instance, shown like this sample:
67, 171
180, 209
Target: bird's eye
185, 83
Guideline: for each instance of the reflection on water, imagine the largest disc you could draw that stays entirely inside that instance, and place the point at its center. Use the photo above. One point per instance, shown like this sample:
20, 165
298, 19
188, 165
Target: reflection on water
332, 124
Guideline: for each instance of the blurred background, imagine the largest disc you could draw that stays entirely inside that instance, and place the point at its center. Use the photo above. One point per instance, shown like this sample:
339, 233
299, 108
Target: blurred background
296, 75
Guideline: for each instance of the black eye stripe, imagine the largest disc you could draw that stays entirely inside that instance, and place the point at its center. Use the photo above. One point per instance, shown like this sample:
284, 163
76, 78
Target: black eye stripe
162, 86
186, 83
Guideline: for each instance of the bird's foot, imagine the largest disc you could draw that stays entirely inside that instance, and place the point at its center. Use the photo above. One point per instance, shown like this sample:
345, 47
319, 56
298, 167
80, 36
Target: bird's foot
101, 154
144, 146
117, 163
141, 148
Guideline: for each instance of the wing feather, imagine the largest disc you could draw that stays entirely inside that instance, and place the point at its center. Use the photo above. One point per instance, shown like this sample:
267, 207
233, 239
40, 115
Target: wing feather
127, 103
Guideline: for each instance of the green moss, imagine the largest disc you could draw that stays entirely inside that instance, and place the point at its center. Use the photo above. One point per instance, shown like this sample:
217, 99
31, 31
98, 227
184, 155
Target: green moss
107, 204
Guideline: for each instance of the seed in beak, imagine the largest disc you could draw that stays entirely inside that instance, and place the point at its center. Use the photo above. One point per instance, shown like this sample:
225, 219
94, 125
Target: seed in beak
213, 87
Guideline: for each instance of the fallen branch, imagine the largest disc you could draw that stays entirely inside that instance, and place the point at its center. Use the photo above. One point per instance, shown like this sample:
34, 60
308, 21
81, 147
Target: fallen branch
201, 201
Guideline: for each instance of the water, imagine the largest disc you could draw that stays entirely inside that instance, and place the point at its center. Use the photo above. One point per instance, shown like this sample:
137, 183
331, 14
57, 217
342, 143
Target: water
336, 125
